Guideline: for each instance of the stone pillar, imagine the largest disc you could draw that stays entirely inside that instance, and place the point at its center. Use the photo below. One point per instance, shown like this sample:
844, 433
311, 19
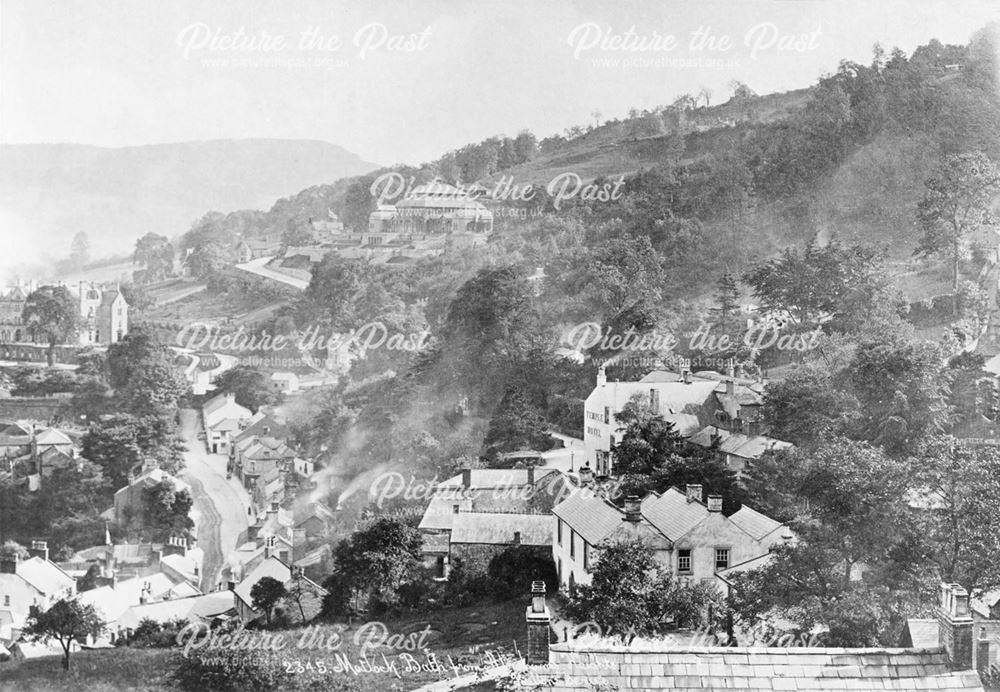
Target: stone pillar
955, 626
539, 624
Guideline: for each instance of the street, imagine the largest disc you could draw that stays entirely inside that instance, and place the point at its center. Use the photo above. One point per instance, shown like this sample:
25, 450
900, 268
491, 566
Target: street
220, 505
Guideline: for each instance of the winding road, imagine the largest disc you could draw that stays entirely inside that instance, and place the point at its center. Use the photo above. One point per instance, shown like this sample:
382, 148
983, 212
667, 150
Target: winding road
220, 505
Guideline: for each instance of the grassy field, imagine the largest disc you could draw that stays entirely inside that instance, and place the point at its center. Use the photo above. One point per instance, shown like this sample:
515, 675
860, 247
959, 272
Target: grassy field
106, 670
460, 640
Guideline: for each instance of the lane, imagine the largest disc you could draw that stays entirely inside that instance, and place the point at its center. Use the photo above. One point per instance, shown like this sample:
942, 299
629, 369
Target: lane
257, 267
220, 505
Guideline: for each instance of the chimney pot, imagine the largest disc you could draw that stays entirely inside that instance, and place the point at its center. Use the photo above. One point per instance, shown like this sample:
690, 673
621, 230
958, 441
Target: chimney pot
694, 492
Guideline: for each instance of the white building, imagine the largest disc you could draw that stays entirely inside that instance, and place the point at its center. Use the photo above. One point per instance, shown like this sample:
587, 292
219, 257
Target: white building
222, 418
692, 539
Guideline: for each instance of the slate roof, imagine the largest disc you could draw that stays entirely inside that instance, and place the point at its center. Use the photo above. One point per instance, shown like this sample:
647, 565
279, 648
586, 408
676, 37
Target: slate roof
497, 478
742, 668
672, 514
51, 436
920, 633
738, 444
592, 517
754, 523
490, 528
45, 576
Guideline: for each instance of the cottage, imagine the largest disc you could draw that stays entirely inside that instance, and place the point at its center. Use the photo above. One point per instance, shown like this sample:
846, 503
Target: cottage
691, 538
222, 418
128, 500
274, 568
34, 581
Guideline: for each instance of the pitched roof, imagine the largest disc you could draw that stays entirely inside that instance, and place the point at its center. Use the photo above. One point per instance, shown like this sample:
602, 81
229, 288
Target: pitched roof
496, 478
738, 444
51, 436
491, 528
593, 517
754, 523
672, 514
813, 669
921, 633
271, 567
45, 576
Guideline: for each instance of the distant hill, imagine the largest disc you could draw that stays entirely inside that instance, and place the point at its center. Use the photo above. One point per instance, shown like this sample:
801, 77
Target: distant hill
115, 195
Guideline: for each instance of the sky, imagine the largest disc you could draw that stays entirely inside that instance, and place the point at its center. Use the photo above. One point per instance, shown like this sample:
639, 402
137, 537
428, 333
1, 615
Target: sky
404, 82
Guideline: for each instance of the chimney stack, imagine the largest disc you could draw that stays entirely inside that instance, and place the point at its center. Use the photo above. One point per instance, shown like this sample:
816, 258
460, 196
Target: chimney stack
8, 563
466, 478
269, 546
715, 503
586, 475
955, 626
602, 377
517, 538
539, 623
39, 549
694, 492
730, 386
633, 511
531, 475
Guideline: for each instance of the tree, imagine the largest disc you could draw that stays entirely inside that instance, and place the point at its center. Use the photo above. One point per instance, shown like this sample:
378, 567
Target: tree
646, 443
51, 313
266, 594
143, 374
166, 511
372, 564
79, 253
525, 146
624, 272
250, 386
727, 301
630, 589
156, 254
66, 621
901, 389
961, 484
207, 260
295, 235
808, 405
957, 203
516, 424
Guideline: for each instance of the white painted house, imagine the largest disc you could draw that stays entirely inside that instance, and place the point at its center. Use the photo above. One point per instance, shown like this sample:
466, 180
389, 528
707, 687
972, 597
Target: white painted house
693, 539
222, 419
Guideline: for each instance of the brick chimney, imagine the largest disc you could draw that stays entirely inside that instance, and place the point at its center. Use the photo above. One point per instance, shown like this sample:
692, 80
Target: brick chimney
586, 475
955, 626
39, 549
8, 563
539, 623
602, 376
633, 512
715, 503
270, 544
466, 478
531, 475
517, 538
693, 492
730, 386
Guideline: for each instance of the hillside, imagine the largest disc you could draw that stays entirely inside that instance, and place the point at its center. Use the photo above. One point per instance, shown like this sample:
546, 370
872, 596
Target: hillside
117, 194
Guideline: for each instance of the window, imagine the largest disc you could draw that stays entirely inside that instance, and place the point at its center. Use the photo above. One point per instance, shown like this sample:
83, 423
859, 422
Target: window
607, 415
721, 558
572, 543
6, 599
684, 561
455, 508
559, 531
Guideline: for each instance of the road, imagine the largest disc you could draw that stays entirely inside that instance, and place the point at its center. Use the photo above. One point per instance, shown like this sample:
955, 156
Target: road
220, 505
257, 267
